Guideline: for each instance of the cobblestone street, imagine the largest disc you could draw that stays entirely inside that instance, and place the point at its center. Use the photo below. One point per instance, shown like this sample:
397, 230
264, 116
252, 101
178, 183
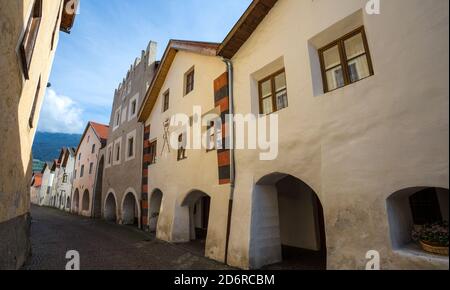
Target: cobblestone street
104, 246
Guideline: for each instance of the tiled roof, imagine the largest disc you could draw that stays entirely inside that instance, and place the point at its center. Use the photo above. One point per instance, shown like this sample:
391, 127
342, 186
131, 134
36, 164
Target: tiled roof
245, 27
199, 47
101, 130
37, 180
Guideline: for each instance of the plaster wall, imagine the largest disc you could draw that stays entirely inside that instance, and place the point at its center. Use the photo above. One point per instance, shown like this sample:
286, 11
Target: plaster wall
359, 144
17, 95
86, 182
180, 180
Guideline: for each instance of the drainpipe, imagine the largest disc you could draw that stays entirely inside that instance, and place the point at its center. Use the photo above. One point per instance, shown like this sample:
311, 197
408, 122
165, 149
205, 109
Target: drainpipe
229, 65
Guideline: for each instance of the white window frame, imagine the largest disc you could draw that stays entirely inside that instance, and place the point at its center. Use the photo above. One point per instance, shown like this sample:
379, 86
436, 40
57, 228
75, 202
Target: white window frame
131, 116
115, 161
117, 115
131, 135
124, 115
109, 149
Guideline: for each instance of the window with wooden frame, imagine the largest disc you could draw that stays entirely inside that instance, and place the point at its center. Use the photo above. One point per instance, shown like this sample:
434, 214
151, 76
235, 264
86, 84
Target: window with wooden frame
345, 61
166, 101
189, 81
152, 151
118, 152
273, 93
181, 147
33, 108
55, 29
29, 38
130, 147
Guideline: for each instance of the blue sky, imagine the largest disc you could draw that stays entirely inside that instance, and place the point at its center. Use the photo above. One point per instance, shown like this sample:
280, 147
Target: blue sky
108, 35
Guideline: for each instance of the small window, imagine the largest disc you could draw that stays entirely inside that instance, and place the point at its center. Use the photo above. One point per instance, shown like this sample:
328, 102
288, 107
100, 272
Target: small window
109, 156
82, 171
345, 61
79, 156
273, 93
93, 148
33, 108
189, 81
131, 147
181, 147
152, 151
55, 29
118, 152
133, 107
211, 135
89, 139
75, 174
166, 101
91, 167
29, 38
117, 118
64, 178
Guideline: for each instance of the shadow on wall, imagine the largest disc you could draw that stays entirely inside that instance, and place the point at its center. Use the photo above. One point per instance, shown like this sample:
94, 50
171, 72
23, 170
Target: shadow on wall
14, 177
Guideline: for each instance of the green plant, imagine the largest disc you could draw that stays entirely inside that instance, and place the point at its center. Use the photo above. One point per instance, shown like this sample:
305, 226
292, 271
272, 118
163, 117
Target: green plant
435, 234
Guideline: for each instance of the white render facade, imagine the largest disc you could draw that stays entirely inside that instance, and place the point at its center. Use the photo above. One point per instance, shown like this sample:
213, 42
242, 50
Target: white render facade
355, 148
357, 143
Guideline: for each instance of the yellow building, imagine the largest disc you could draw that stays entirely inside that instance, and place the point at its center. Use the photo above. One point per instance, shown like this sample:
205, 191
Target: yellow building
28, 41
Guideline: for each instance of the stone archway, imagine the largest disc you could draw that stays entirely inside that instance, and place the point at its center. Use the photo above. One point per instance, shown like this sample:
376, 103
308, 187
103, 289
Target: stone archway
288, 226
110, 211
85, 204
130, 209
413, 207
76, 202
194, 220
98, 189
155, 209
68, 203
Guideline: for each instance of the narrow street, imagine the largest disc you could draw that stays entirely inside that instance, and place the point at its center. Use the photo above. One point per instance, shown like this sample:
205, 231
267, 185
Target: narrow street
104, 246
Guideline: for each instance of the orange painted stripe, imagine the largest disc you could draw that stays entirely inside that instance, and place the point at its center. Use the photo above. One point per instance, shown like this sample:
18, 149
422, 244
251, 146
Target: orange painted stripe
224, 104
221, 81
224, 181
223, 158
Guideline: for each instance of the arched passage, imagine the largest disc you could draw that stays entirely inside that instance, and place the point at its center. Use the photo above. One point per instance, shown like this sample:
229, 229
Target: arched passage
111, 208
86, 201
98, 189
68, 203
76, 201
155, 209
130, 210
196, 209
288, 227
414, 207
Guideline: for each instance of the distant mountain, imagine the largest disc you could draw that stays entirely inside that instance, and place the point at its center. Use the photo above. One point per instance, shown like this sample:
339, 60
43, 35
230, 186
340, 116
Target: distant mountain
47, 146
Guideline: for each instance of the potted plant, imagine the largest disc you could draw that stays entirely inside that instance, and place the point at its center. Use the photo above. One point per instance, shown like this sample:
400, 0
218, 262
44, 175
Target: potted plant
433, 238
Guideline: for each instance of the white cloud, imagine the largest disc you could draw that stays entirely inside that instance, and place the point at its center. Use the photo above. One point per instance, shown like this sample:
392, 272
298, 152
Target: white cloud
60, 114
